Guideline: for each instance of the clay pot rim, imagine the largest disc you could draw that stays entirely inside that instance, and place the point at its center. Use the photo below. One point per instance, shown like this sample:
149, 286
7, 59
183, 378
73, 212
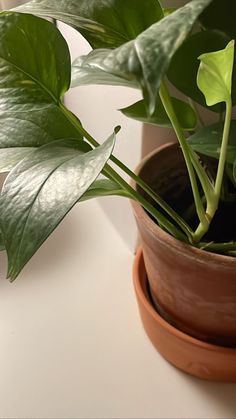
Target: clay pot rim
138, 268
200, 255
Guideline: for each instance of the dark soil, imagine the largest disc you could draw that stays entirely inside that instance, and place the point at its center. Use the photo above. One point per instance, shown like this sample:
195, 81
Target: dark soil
223, 225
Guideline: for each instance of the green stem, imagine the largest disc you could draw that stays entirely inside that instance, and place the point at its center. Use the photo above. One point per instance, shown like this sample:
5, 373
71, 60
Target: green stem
217, 247
223, 151
213, 203
191, 102
112, 174
207, 186
161, 219
157, 198
179, 221
166, 101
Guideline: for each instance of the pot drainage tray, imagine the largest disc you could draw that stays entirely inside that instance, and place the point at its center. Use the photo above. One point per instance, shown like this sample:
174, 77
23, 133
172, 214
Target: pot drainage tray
198, 358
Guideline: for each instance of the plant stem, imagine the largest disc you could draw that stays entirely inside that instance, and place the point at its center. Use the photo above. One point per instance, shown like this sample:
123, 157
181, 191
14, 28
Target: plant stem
137, 197
223, 151
191, 102
213, 203
166, 101
217, 247
112, 174
157, 198
207, 186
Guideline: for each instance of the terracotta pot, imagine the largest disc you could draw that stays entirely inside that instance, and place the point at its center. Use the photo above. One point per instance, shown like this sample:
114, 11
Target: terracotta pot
198, 358
194, 290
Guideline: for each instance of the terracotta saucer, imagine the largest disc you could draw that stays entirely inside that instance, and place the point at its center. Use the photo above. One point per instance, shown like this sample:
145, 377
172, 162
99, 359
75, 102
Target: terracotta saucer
198, 358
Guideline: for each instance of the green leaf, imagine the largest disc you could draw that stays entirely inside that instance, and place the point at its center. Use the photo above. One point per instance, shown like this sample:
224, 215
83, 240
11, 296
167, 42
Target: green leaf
40, 191
21, 132
185, 114
184, 66
208, 140
33, 79
86, 71
2, 245
104, 187
145, 60
220, 15
214, 77
26, 62
106, 23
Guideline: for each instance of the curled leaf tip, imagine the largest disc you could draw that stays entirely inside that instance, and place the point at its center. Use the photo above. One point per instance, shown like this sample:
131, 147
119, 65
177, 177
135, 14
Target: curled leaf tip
117, 129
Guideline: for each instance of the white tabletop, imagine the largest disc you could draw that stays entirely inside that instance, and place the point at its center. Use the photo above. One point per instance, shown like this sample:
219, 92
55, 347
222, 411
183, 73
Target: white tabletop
71, 341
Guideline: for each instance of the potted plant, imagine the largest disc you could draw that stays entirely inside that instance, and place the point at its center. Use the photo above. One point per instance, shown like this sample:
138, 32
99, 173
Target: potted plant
179, 192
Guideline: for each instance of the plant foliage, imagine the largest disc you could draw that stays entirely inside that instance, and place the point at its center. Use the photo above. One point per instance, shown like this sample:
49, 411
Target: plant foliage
53, 162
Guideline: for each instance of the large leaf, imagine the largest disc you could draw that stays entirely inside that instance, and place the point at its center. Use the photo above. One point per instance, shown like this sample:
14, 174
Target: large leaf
21, 132
184, 66
214, 77
208, 141
40, 191
33, 79
87, 69
145, 60
220, 15
185, 114
104, 23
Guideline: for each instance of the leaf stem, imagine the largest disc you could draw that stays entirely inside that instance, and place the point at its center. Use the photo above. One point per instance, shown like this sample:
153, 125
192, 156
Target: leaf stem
223, 151
161, 219
213, 203
166, 101
111, 173
217, 247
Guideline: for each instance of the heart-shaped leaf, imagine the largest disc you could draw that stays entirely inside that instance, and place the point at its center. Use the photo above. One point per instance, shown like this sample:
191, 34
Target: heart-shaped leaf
106, 23
184, 66
32, 82
185, 114
208, 141
145, 60
214, 77
40, 191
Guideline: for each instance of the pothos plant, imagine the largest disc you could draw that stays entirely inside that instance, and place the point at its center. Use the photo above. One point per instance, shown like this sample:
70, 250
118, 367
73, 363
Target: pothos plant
53, 162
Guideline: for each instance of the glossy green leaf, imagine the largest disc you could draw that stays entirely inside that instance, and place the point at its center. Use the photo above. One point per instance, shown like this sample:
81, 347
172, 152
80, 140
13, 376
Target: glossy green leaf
32, 82
145, 60
185, 63
2, 245
214, 77
87, 69
185, 114
104, 23
40, 191
220, 14
25, 63
21, 132
104, 187
208, 141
